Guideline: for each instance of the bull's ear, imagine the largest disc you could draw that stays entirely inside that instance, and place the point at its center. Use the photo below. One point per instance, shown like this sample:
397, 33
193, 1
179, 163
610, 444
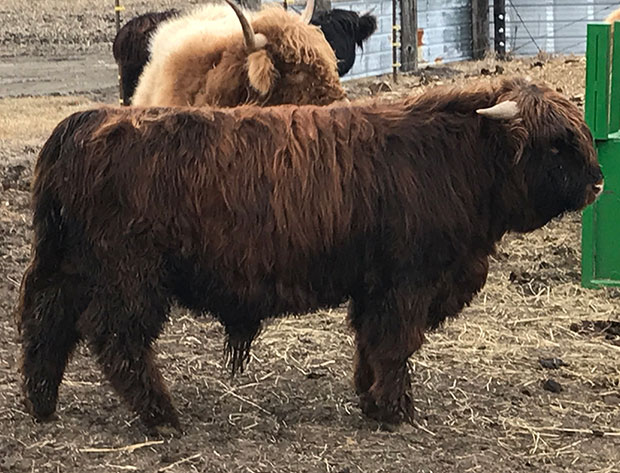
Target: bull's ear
261, 71
501, 111
260, 40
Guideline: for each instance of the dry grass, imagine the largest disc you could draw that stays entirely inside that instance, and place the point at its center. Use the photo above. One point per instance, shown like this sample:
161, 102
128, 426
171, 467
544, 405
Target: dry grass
566, 73
68, 27
30, 120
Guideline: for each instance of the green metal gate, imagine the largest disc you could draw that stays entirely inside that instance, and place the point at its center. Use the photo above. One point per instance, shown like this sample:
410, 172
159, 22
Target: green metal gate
600, 242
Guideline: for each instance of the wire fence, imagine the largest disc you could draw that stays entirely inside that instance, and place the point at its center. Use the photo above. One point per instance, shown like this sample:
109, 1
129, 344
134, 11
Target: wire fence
524, 25
599, 13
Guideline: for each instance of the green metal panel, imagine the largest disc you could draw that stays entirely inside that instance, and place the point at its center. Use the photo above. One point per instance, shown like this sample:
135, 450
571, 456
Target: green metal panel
600, 242
587, 247
597, 79
605, 244
614, 101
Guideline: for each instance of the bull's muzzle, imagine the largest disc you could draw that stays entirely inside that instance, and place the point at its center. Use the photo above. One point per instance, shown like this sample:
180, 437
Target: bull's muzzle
598, 188
594, 191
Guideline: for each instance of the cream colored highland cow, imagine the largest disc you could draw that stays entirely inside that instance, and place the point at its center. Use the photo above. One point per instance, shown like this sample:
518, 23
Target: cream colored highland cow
224, 56
612, 17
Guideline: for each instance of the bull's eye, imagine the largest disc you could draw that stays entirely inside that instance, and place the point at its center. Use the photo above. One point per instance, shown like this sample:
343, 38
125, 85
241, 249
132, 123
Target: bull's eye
298, 78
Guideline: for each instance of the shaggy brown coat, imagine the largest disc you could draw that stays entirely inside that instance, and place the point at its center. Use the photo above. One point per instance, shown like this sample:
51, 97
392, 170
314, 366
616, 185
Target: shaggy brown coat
194, 62
251, 213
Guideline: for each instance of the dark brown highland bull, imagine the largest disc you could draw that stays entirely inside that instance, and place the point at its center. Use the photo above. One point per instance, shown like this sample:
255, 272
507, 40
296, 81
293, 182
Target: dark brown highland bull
251, 213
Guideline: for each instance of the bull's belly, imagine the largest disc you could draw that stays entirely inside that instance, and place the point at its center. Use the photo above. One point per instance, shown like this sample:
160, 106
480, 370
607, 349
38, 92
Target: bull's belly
236, 299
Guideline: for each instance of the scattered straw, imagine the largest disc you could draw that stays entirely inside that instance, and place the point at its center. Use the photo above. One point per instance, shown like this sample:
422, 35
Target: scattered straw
127, 448
122, 467
241, 398
184, 460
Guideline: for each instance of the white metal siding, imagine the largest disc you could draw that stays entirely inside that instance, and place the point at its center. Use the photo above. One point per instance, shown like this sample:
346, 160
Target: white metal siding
553, 26
446, 25
447, 29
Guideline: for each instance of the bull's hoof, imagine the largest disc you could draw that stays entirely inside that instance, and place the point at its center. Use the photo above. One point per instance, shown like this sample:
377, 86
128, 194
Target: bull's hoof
165, 431
42, 408
391, 412
163, 425
45, 416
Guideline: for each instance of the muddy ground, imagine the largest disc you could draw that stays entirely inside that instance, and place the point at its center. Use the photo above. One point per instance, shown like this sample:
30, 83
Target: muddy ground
483, 398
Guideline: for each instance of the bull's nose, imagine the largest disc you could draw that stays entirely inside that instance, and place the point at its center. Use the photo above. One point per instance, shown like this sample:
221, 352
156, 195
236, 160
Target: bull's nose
598, 188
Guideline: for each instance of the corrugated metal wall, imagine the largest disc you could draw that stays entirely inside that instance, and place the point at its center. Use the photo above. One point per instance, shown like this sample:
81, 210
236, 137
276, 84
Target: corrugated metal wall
447, 29
554, 26
446, 25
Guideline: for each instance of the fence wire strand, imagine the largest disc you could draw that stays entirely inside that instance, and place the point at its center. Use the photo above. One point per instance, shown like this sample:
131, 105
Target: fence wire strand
524, 25
540, 38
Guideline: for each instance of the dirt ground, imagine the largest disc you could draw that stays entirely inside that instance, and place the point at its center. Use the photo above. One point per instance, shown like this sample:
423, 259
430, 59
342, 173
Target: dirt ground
484, 399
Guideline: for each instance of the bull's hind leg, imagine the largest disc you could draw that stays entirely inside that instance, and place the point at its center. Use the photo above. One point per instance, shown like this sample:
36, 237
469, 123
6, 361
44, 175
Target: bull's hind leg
50, 305
385, 339
363, 377
121, 327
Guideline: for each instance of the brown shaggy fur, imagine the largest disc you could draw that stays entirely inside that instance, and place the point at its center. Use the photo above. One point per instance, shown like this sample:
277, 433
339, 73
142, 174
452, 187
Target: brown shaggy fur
296, 66
251, 213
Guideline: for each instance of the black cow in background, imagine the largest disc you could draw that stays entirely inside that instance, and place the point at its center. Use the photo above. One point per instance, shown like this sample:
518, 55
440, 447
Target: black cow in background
345, 29
131, 48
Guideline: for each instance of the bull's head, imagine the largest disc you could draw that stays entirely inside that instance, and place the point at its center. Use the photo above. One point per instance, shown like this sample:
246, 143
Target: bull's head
553, 164
289, 60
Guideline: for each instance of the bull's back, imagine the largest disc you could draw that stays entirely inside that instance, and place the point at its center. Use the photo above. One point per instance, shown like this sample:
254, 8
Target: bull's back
285, 177
271, 191
261, 201
292, 159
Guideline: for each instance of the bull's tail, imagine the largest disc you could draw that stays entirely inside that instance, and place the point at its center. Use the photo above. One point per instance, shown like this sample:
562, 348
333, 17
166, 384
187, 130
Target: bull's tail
49, 227
367, 25
49, 299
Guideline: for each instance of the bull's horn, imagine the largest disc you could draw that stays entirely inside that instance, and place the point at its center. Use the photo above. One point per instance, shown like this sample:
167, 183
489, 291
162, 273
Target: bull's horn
501, 111
306, 15
248, 33
368, 12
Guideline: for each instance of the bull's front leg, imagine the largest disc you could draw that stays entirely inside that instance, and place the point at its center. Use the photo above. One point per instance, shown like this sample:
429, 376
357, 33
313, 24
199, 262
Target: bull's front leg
363, 377
388, 332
